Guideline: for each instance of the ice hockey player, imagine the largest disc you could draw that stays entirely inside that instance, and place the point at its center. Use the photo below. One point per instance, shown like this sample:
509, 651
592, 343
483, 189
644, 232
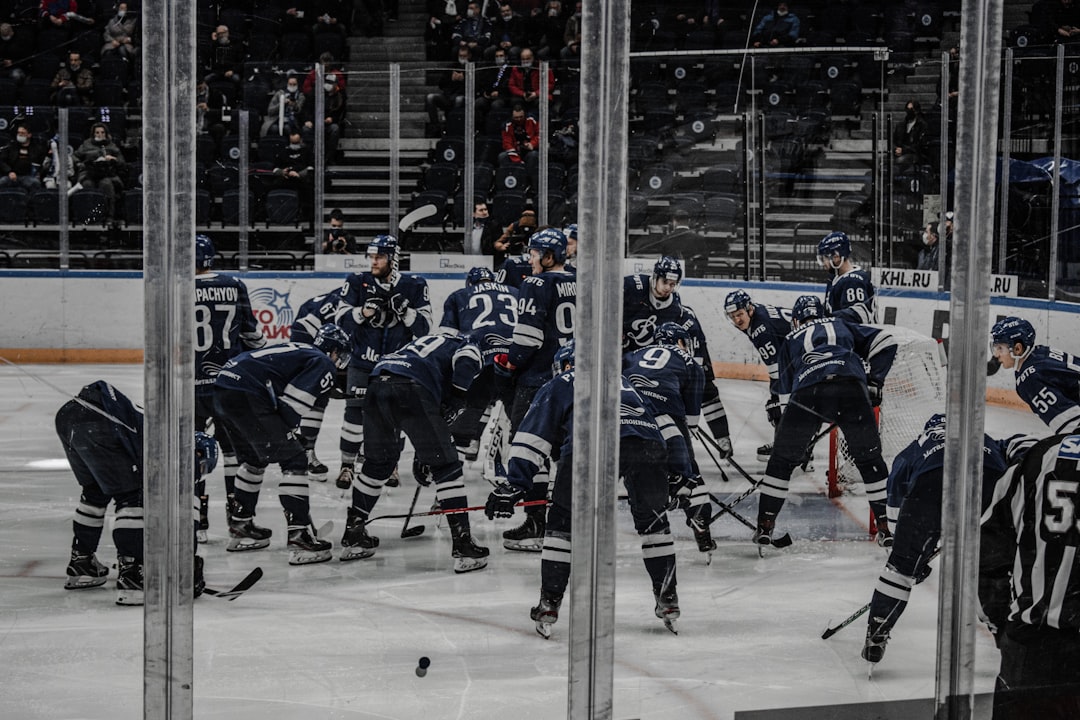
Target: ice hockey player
417, 390
571, 232
487, 311
766, 326
849, 293
546, 308
820, 368
651, 300
1029, 579
260, 397
1047, 379
383, 310
547, 431
914, 509
224, 327
310, 316
669, 381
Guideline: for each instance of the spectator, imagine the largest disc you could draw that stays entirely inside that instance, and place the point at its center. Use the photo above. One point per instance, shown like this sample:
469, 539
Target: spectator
333, 117
520, 139
571, 52
928, 255
474, 31
507, 32
548, 30
329, 17
20, 161
909, 137
59, 13
294, 168
484, 229
295, 19
285, 112
208, 114
1058, 20
525, 82
493, 84
100, 164
15, 47
120, 33
226, 57
779, 28
451, 91
330, 68
338, 240
443, 17
73, 83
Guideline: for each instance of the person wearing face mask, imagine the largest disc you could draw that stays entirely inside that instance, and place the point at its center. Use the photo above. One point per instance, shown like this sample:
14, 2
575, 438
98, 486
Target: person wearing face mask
294, 168
525, 82
780, 28
15, 48
100, 163
119, 33
451, 91
226, 57
493, 84
928, 255
474, 31
73, 84
909, 136
548, 26
333, 118
20, 161
571, 52
283, 116
507, 32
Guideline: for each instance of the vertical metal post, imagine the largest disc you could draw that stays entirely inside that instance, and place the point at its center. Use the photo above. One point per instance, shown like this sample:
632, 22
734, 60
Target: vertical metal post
168, 137
1006, 164
748, 189
1055, 174
545, 147
943, 171
471, 246
602, 216
877, 151
62, 187
244, 174
969, 313
763, 187
319, 151
395, 146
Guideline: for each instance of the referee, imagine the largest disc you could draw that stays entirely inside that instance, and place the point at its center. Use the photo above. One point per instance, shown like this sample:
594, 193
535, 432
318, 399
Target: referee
1029, 580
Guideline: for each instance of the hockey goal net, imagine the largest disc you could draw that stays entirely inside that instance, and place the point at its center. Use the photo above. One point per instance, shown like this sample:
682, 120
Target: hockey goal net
914, 390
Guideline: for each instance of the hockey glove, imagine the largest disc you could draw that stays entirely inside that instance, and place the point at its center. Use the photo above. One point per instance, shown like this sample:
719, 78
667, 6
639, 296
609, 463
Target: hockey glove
875, 393
421, 473
773, 410
452, 410
680, 488
399, 304
501, 501
723, 448
504, 373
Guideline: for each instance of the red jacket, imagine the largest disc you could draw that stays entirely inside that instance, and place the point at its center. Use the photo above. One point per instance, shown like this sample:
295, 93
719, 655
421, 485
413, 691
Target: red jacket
510, 141
520, 84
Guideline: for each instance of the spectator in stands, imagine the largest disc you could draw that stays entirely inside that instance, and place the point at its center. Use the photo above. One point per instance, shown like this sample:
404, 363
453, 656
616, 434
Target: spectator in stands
548, 29
333, 116
928, 254
779, 28
226, 57
571, 52
493, 84
120, 33
507, 32
443, 17
73, 83
59, 13
338, 240
1057, 20
15, 48
208, 114
525, 82
451, 91
330, 67
20, 161
100, 165
330, 16
909, 137
484, 229
520, 140
284, 115
294, 168
474, 31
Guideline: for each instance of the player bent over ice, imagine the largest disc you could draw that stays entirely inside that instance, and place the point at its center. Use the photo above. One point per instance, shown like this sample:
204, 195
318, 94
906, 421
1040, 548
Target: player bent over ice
821, 368
260, 397
417, 390
1047, 379
547, 431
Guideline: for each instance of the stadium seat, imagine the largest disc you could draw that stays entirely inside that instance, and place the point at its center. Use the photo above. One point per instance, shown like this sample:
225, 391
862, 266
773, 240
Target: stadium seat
507, 206
282, 207
438, 198
133, 207
441, 176
720, 180
45, 207
511, 177
87, 207
449, 150
13, 205
656, 180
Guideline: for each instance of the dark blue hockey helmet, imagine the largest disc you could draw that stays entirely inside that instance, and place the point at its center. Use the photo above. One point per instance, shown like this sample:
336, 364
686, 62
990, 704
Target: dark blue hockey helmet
478, 275
835, 243
570, 231
206, 454
204, 252
936, 423
383, 245
669, 268
549, 240
807, 307
564, 357
331, 338
737, 300
671, 333
1011, 330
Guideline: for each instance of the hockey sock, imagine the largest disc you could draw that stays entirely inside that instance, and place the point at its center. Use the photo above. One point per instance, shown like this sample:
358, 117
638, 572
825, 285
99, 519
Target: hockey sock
771, 500
128, 527
293, 492
87, 526
232, 465
352, 434
658, 552
365, 493
450, 486
248, 484
555, 563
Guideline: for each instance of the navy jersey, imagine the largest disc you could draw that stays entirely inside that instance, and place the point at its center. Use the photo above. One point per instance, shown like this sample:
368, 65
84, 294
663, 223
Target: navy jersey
295, 378
851, 296
385, 332
669, 380
1048, 380
547, 304
768, 327
438, 363
126, 420
829, 347
643, 313
514, 271
487, 311
312, 315
224, 325
547, 430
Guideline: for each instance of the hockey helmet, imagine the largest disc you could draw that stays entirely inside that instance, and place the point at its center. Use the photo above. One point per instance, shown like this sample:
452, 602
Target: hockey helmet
668, 267
1011, 330
478, 275
835, 243
807, 307
564, 357
570, 231
383, 245
936, 423
737, 300
671, 333
204, 252
549, 240
331, 338
206, 453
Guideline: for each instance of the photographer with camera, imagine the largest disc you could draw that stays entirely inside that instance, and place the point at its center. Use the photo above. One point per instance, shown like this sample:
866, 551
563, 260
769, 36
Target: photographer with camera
520, 140
515, 265
337, 240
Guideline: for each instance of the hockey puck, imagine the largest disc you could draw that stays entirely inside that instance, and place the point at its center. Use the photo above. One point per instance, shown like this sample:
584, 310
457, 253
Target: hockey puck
414, 531
420, 672
424, 663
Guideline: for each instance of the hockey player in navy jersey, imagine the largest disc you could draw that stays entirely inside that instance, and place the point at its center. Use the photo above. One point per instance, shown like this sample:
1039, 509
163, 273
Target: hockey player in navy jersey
547, 304
260, 397
766, 326
1047, 379
224, 327
417, 390
820, 368
651, 300
383, 310
914, 509
669, 380
547, 431
849, 293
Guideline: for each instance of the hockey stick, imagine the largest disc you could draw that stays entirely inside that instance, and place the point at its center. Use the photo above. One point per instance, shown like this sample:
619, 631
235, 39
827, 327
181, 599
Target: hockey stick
781, 542
701, 436
239, 588
415, 530
745, 494
453, 511
419, 214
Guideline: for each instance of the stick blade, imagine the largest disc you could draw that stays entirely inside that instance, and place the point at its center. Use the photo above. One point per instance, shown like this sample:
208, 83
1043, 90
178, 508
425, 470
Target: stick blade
421, 213
414, 531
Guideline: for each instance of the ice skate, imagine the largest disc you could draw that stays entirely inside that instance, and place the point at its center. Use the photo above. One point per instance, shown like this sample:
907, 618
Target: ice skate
528, 536
546, 613
345, 477
667, 608
876, 639
245, 535
316, 470
129, 582
764, 532
356, 544
883, 536
703, 536
305, 547
764, 452
84, 571
468, 556
204, 519
470, 452
394, 480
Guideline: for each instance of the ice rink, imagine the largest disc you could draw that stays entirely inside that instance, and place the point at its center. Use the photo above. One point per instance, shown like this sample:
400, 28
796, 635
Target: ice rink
342, 640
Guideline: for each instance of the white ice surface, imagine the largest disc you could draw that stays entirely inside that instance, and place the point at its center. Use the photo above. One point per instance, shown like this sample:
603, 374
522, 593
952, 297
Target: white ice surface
339, 640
